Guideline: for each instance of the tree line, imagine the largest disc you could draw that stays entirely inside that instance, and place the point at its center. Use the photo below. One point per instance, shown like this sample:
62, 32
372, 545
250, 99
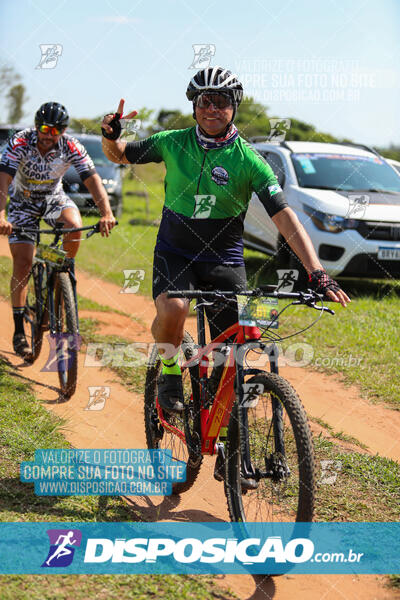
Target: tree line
252, 118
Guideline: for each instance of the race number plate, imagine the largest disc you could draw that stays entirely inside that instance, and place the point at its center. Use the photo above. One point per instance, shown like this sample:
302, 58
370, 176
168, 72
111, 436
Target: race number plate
257, 311
53, 255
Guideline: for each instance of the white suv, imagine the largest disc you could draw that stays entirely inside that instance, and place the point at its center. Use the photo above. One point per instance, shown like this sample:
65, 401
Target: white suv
346, 196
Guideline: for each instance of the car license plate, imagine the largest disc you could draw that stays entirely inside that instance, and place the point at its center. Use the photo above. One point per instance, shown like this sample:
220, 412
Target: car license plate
389, 253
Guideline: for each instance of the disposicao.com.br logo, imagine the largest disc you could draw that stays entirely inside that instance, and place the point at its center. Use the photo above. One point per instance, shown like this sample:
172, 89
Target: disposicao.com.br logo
62, 547
200, 548
191, 550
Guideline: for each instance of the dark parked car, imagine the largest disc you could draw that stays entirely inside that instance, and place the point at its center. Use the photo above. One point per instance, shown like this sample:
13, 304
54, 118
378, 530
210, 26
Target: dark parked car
110, 173
7, 130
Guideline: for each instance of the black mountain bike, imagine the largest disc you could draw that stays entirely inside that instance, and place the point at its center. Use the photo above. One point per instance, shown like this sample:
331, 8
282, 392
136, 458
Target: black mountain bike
51, 304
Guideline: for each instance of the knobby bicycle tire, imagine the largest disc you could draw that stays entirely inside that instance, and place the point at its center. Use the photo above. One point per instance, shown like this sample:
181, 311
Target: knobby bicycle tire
35, 314
290, 498
159, 438
66, 335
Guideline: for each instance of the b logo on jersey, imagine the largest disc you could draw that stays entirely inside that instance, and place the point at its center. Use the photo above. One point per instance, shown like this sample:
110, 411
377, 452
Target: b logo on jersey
220, 175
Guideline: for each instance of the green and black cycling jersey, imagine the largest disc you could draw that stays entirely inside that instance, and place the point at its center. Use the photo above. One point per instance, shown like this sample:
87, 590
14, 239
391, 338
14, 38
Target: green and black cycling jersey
207, 193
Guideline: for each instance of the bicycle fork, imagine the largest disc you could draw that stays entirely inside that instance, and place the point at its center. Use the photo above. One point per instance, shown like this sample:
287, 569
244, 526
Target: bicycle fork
275, 463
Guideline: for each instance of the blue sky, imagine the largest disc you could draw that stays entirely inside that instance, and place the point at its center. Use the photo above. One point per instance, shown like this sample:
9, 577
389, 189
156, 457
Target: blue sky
333, 63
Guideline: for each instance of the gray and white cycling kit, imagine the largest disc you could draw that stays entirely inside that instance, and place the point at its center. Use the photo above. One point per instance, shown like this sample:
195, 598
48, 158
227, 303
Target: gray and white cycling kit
36, 190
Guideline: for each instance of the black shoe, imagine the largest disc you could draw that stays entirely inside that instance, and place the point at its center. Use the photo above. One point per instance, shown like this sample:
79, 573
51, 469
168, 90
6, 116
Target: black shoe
248, 484
170, 393
20, 345
219, 468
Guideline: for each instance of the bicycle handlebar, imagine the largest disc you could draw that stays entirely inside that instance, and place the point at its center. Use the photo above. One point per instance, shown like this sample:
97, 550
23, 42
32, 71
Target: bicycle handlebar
58, 230
257, 292
269, 291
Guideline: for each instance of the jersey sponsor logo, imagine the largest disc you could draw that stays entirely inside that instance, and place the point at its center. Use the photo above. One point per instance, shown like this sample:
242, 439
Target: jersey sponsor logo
220, 175
204, 204
39, 182
73, 147
274, 189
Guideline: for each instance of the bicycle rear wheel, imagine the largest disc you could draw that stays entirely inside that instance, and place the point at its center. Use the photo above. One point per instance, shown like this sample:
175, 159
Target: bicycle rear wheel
35, 313
67, 336
161, 437
286, 482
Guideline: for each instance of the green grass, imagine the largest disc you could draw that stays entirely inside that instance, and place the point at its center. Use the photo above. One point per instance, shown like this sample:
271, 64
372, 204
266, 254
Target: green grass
88, 304
26, 425
366, 487
104, 587
133, 378
129, 246
339, 435
360, 343
5, 274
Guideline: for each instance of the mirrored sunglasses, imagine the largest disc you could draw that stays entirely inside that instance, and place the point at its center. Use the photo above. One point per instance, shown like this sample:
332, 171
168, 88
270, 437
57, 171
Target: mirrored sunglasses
49, 129
218, 100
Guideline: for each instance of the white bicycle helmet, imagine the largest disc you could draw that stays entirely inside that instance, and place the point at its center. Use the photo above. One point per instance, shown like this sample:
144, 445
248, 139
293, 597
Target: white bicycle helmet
215, 79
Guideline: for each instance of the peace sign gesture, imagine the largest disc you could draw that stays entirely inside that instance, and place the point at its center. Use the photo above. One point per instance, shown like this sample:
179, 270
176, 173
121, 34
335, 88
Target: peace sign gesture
116, 117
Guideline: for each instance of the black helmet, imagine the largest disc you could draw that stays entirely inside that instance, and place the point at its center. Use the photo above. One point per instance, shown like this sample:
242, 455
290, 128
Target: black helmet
53, 114
215, 79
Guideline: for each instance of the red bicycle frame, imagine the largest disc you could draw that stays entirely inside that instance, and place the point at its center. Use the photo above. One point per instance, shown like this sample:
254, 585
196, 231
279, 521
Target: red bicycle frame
218, 416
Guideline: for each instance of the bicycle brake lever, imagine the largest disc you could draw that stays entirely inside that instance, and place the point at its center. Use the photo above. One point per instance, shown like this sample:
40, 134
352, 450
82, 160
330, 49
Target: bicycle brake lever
323, 308
96, 229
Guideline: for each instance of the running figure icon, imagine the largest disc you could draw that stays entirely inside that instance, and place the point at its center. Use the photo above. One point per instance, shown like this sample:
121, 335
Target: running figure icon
62, 549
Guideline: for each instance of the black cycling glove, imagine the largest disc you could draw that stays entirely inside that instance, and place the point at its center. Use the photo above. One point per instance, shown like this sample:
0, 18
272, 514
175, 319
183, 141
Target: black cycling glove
320, 282
115, 126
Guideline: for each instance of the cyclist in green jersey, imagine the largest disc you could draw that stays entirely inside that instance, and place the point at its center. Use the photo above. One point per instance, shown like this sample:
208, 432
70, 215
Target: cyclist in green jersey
211, 173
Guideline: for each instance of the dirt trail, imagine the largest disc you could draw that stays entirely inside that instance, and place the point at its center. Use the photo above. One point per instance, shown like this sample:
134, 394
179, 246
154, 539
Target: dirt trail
120, 425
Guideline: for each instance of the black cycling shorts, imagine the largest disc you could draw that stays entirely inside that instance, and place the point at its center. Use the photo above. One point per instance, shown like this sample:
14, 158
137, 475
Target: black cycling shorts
175, 272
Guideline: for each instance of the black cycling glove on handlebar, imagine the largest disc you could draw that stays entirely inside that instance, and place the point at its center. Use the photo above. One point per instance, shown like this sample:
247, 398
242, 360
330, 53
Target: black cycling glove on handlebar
320, 282
115, 126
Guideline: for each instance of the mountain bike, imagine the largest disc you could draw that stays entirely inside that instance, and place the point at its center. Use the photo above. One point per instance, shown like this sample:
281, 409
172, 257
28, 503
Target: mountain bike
51, 304
266, 458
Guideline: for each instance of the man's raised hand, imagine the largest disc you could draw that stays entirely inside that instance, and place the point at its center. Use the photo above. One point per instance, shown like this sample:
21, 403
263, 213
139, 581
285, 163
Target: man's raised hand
107, 119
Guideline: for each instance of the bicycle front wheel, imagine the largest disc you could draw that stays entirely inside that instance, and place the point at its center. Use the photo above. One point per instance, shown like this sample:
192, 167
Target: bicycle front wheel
281, 454
170, 434
66, 335
35, 313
